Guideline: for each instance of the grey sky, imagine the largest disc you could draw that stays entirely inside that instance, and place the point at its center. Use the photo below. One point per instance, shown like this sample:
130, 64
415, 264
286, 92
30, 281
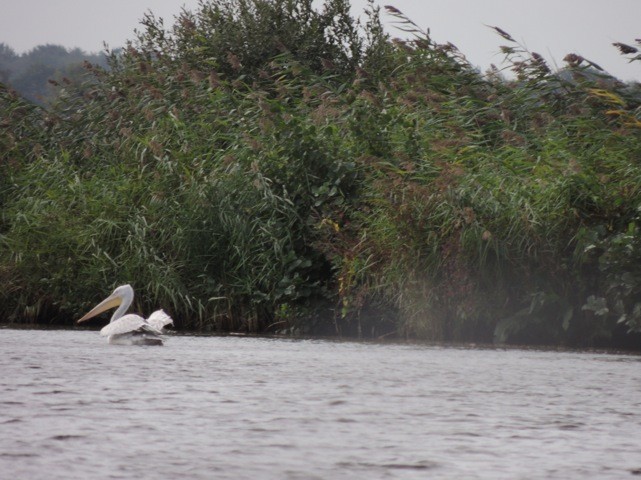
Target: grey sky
552, 28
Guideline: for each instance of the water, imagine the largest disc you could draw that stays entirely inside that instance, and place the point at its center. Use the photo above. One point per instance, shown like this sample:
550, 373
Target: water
73, 407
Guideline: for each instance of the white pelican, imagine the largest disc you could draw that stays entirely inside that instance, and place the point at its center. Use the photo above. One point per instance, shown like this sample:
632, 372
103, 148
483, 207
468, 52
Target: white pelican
129, 329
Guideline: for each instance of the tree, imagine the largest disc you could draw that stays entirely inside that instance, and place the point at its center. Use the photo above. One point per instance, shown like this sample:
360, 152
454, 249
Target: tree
7, 59
239, 37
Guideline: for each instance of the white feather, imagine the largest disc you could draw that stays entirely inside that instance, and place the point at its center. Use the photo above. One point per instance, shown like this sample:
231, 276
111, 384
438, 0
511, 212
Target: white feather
159, 319
128, 324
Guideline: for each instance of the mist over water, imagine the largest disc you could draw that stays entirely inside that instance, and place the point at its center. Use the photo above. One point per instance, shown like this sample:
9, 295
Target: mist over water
73, 407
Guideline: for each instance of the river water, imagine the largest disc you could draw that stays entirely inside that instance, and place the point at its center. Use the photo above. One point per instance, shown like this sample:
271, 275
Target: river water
74, 407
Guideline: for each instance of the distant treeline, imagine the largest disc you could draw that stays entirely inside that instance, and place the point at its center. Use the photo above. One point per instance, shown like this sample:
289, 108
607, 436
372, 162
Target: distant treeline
33, 73
265, 166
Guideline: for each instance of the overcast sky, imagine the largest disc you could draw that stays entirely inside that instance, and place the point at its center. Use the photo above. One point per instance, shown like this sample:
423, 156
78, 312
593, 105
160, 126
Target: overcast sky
552, 28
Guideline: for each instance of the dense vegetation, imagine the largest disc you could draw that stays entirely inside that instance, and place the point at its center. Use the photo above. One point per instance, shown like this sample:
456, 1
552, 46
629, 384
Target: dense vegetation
263, 166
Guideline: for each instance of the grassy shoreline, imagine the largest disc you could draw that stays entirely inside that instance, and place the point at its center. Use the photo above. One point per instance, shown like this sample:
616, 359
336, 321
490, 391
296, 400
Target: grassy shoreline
315, 184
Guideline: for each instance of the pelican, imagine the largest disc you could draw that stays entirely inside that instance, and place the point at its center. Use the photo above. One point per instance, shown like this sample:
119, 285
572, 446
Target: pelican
130, 329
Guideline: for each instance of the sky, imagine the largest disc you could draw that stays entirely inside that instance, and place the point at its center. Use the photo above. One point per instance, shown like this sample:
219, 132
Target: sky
552, 28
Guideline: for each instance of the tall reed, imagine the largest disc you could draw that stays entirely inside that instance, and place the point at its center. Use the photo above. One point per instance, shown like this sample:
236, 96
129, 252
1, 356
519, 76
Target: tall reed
345, 184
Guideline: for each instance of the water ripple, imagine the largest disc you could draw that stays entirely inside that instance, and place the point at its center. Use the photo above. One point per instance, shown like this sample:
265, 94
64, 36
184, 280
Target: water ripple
243, 408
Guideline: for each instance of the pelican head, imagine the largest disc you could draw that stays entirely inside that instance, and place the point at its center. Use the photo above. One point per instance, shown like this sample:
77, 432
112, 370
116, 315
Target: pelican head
121, 296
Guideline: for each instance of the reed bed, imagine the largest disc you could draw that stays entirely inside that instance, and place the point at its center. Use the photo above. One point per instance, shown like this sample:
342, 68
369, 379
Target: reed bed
328, 180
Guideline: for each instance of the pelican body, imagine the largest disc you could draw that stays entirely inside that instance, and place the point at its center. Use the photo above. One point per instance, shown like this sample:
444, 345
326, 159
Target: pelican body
130, 329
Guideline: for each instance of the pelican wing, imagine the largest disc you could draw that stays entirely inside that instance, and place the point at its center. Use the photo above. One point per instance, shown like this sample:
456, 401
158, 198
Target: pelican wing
128, 324
159, 319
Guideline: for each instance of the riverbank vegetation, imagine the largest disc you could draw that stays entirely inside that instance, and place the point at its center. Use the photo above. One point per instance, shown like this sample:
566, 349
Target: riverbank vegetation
262, 166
